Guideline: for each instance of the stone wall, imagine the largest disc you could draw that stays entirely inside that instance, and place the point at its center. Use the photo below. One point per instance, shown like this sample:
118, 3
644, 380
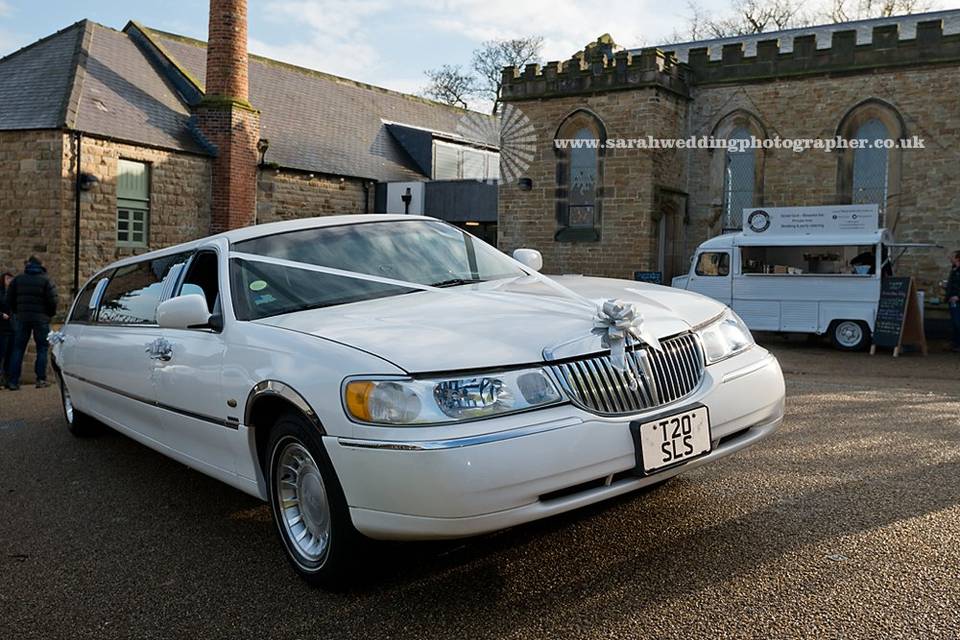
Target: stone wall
630, 181
926, 205
179, 202
288, 195
795, 91
30, 200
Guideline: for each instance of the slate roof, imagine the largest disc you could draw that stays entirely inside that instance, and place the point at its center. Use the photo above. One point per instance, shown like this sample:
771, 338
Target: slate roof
93, 79
35, 82
320, 122
137, 85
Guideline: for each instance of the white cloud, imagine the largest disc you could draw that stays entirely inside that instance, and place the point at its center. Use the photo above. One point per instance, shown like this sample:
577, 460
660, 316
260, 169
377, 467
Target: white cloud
352, 38
337, 39
391, 42
567, 25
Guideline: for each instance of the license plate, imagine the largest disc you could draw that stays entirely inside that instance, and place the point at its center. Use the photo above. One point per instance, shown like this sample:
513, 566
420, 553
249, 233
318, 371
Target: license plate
672, 439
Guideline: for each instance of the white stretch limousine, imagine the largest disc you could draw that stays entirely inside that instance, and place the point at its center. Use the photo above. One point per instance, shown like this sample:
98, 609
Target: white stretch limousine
395, 377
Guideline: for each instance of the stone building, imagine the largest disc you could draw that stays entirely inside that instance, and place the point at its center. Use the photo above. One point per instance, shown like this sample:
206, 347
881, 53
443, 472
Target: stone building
614, 211
139, 139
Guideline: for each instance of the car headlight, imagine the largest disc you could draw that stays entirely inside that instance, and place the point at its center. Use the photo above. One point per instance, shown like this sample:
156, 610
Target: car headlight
432, 401
727, 336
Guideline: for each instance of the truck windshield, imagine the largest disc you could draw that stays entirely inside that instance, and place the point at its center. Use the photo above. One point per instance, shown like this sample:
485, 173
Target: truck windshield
422, 252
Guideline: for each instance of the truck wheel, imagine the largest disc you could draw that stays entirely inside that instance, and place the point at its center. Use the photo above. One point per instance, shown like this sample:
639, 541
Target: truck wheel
850, 335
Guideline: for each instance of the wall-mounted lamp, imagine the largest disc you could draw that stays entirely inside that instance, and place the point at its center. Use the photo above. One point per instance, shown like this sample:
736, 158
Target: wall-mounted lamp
407, 198
88, 181
525, 184
262, 145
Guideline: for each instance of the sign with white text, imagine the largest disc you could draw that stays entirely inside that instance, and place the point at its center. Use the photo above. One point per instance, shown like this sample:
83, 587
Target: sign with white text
823, 220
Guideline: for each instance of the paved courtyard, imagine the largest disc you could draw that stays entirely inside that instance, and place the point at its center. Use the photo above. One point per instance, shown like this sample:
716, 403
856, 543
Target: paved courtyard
844, 524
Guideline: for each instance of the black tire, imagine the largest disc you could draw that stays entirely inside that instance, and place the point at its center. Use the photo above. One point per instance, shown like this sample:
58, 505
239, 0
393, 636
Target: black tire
336, 569
850, 335
79, 424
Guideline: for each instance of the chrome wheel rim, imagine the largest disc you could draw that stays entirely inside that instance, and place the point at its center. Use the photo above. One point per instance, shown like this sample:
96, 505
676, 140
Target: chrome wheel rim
67, 404
849, 334
304, 511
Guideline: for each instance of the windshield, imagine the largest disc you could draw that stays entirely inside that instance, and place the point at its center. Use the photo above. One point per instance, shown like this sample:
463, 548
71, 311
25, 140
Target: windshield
424, 252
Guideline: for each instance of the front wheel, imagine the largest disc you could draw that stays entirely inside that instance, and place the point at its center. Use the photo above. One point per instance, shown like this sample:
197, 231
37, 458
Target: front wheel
308, 505
850, 335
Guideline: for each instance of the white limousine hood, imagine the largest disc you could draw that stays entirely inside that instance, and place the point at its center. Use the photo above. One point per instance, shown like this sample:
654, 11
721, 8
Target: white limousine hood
493, 324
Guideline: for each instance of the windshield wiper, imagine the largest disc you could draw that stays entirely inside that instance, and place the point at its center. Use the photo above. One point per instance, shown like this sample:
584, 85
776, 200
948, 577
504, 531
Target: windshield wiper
455, 282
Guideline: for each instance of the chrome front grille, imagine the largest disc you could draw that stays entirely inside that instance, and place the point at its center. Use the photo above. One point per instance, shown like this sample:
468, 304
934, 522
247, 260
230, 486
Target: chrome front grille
594, 384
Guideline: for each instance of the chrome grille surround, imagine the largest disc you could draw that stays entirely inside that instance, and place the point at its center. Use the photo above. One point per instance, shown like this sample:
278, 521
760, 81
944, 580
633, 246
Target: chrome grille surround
594, 384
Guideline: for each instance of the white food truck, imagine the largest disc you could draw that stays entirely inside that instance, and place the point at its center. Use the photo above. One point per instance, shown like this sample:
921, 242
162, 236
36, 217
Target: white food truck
799, 269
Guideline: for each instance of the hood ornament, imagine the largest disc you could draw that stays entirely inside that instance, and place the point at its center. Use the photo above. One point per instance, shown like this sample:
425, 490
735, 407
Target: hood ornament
619, 323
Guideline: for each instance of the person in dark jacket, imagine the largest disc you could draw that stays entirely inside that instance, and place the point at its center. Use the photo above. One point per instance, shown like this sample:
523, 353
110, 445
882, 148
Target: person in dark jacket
33, 299
6, 328
953, 298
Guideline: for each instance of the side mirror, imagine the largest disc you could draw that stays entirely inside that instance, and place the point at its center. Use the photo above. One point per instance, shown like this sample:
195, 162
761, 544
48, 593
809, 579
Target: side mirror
184, 312
529, 258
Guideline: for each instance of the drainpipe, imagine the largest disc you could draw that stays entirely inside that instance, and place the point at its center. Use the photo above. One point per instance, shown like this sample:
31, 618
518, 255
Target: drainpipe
78, 138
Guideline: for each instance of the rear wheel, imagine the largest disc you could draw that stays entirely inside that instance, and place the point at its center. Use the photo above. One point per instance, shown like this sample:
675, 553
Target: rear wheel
308, 505
79, 424
850, 335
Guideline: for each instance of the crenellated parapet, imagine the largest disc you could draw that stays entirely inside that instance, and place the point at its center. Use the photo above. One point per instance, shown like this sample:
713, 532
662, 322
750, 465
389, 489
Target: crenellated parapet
843, 50
846, 48
596, 69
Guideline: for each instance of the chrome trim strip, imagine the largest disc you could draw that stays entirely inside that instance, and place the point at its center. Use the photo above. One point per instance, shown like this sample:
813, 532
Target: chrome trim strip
458, 443
279, 389
159, 405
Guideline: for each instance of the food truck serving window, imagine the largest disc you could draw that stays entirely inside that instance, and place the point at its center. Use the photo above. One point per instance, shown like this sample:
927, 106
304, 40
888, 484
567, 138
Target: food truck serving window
713, 263
809, 260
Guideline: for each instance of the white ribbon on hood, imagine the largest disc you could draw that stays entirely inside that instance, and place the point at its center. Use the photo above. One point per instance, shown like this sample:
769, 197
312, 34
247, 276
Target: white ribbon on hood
618, 322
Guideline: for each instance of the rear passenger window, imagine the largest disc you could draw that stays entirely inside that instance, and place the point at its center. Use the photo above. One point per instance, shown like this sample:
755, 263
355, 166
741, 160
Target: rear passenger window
713, 264
135, 291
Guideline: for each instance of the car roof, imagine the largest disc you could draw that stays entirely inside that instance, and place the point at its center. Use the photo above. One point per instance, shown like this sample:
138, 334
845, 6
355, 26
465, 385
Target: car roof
268, 229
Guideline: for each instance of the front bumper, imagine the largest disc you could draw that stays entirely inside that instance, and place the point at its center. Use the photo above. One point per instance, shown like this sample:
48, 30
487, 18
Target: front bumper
548, 462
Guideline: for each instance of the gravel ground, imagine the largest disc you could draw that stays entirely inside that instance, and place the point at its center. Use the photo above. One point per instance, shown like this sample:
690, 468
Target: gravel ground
844, 524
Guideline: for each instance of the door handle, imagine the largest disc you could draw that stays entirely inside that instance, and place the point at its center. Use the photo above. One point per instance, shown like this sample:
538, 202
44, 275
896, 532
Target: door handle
160, 349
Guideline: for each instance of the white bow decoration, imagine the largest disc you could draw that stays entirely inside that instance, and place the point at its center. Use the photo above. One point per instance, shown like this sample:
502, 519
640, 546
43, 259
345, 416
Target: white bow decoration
619, 322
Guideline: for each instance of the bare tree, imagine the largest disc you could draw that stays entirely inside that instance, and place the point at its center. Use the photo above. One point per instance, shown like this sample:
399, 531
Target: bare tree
493, 55
451, 85
847, 10
758, 16
696, 20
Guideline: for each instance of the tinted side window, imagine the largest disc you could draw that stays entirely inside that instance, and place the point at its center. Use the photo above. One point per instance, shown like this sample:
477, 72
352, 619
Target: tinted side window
713, 264
81, 310
134, 291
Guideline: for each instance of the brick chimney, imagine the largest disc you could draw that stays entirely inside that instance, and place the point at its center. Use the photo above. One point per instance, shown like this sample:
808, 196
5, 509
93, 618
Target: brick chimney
226, 119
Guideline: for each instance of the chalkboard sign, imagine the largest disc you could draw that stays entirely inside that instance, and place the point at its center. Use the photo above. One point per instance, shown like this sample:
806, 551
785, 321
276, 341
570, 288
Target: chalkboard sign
898, 317
891, 312
654, 277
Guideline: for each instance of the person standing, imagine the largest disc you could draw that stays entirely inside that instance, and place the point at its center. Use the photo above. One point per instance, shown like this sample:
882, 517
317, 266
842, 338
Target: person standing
33, 300
6, 328
953, 299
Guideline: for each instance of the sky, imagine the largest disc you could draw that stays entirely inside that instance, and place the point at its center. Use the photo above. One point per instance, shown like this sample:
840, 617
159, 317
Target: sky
386, 43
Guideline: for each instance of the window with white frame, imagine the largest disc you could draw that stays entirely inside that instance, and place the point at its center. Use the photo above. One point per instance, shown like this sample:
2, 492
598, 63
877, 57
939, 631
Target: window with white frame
133, 203
459, 162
